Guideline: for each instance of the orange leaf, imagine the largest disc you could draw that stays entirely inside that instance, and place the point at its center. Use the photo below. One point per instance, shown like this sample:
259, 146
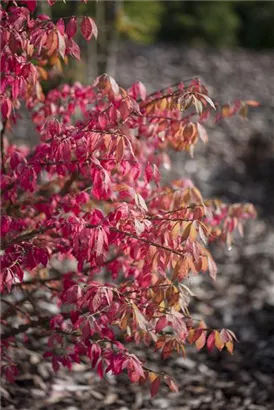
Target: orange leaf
218, 341
192, 233
123, 323
52, 42
189, 131
159, 295
181, 269
226, 111
252, 103
43, 73
200, 342
175, 230
119, 153
186, 232
167, 350
162, 104
230, 346
160, 343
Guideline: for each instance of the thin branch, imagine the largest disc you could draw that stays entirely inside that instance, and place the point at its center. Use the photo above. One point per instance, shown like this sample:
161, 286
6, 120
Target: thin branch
158, 218
68, 184
44, 321
155, 244
26, 236
4, 124
174, 85
38, 280
162, 97
13, 307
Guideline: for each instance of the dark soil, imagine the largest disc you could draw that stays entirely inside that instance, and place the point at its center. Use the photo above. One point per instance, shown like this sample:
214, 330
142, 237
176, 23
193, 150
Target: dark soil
237, 165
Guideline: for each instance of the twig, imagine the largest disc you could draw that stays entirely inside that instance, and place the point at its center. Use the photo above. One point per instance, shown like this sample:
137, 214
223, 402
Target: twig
175, 85
44, 321
2, 146
26, 236
68, 184
155, 244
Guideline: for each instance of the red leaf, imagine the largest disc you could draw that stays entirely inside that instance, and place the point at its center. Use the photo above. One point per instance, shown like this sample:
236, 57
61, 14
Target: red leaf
86, 329
148, 172
11, 372
31, 4
161, 324
194, 334
154, 387
71, 27
55, 364
88, 28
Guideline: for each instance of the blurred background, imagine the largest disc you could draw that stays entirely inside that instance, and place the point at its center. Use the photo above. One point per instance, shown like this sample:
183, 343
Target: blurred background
211, 24
230, 45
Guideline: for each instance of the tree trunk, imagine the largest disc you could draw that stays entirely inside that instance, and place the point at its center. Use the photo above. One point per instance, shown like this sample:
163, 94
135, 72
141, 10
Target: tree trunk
102, 54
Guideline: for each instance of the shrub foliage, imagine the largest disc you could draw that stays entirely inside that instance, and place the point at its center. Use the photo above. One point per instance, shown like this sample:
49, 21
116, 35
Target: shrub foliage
95, 249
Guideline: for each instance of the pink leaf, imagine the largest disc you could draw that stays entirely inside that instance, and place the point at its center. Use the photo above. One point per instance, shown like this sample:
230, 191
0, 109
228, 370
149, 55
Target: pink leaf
212, 268
88, 28
61, 44
6, 107
71, 27
61, 26
161, 324
202, 133
171, 384
211, 341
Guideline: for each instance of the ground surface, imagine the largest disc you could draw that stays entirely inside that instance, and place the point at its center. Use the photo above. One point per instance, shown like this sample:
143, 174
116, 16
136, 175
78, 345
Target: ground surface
237, 165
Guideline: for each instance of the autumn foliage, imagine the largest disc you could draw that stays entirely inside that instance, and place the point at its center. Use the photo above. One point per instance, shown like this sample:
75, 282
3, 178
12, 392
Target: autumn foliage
86, 223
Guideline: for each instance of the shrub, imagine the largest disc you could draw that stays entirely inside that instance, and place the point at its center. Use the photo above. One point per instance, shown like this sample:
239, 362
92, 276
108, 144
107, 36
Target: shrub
87, 227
